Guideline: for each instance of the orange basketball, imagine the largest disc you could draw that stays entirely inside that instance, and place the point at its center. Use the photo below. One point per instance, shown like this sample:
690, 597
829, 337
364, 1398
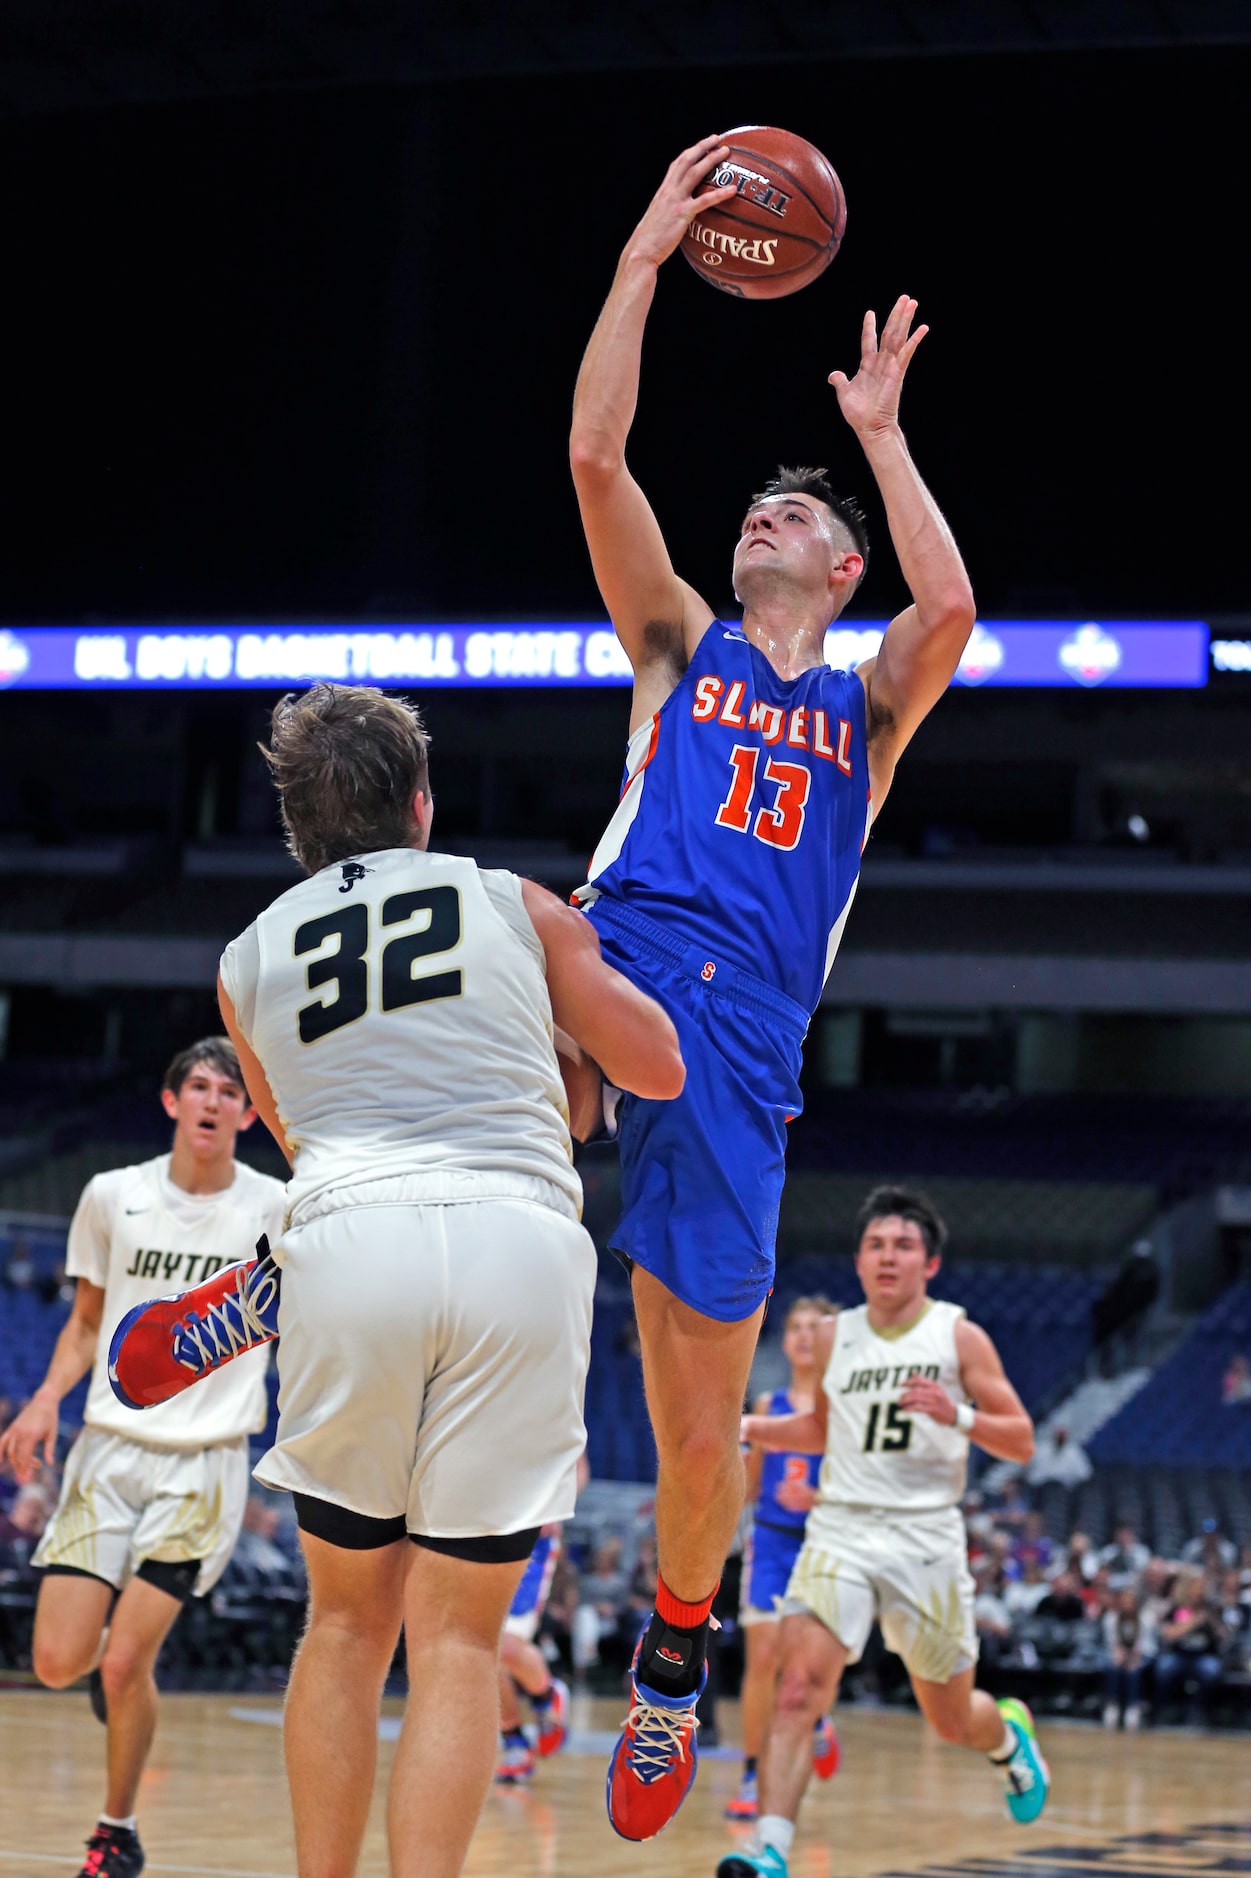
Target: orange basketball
784, 226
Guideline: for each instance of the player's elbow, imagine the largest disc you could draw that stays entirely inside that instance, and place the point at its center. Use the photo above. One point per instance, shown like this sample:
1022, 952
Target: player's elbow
655, 1069
594, 459
664, 1074
1025, 1443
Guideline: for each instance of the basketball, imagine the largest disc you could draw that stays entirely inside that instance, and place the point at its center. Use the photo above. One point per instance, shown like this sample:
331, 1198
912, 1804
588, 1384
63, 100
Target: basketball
785, 224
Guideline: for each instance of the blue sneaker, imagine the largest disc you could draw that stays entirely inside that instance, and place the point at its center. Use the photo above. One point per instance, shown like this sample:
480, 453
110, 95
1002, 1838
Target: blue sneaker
653, 1763
1026, 1776
766, 1863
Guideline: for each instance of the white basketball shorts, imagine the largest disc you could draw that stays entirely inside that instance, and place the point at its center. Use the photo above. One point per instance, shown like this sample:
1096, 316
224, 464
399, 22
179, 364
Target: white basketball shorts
122, 1503
910, 1571
432, 1363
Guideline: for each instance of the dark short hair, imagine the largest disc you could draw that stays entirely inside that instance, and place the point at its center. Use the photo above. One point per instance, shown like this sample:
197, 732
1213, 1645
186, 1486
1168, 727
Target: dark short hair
812, 482
346, 761
904, 1203
218, 1052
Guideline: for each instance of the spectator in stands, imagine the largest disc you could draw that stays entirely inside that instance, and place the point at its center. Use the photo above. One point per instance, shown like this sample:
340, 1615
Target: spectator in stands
1010, 1507
19, 1270
56, 1286
1235, 1607
1080, 1557
1063, 1601
1244, 1565
1025, 1595
1126, 1558
602, 1596
1192, 1646
1210, 1550
1097, 1594
1033, 1546
21, 1528
257, 1548
1236, 1382
1130, 1640
1058, 1458
990, 1612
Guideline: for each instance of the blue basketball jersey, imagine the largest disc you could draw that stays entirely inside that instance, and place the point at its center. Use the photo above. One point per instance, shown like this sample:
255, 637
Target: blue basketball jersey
743, 814
779, 1467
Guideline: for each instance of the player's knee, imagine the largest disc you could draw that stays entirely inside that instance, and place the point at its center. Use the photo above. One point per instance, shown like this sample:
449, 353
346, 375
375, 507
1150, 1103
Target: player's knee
801, 1690
54, 1665
699, 1459
122, 1668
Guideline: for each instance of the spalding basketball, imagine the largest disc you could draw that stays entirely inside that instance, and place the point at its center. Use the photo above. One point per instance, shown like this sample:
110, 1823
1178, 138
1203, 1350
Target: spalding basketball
784, 225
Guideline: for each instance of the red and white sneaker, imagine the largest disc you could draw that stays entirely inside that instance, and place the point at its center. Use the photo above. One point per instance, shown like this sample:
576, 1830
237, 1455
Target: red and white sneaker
827, 1750
162, 1347
653, 1763
745, 1804
553, 1719
516, 1761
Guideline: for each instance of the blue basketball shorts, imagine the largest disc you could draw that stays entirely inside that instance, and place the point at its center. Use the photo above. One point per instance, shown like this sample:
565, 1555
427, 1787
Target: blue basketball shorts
701, 1175
771, 1552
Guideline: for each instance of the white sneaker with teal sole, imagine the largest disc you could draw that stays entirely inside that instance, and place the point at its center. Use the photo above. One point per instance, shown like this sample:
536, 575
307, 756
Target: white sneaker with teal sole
1026, 1776
766, 1863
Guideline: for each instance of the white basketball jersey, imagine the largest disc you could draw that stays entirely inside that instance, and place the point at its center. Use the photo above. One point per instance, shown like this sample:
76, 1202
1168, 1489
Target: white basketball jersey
138, 1236
398, 1004
875, 1454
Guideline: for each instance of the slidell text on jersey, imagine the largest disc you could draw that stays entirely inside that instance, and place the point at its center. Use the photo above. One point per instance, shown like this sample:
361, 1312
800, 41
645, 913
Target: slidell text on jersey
798, 729
890, 1377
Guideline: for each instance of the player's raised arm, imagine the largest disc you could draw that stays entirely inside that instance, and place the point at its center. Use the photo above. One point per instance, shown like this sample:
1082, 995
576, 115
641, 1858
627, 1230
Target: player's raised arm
655, 614
922, 647
626, 1032
1001, 1424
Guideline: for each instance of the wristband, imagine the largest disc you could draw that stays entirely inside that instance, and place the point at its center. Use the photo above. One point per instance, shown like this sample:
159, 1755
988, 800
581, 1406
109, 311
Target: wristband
966, 1414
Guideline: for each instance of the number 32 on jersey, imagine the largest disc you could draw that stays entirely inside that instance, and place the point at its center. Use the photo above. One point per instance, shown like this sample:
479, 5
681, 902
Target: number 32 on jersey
341, 941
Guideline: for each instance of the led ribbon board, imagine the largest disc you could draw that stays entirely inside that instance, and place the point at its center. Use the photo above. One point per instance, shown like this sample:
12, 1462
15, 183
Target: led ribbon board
1059, 653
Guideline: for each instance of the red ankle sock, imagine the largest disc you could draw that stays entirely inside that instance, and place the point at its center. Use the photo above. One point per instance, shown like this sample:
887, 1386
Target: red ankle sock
683, 1616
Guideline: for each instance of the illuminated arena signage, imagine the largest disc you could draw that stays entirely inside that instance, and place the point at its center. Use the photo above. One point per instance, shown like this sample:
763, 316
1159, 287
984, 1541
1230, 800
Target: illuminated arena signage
1063, 653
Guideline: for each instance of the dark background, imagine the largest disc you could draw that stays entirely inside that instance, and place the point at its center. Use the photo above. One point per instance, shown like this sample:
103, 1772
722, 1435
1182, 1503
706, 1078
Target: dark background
311, 353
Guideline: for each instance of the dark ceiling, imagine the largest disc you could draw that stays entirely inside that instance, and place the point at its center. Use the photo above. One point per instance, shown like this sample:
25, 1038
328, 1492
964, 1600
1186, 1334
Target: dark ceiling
70, 57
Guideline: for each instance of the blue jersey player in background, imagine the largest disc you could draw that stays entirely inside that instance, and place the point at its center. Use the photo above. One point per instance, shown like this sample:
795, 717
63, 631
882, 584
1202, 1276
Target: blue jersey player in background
781, 1489
722, 885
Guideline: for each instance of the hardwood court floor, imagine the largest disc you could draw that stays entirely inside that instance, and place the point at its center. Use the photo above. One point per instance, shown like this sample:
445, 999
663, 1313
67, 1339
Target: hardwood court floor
214, 1802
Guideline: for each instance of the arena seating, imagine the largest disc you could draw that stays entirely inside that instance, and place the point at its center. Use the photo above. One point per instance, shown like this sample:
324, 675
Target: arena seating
1179, 1418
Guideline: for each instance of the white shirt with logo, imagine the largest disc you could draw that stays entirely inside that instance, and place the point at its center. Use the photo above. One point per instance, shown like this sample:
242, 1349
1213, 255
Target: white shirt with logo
137, 1236
876, 1455
398, 1004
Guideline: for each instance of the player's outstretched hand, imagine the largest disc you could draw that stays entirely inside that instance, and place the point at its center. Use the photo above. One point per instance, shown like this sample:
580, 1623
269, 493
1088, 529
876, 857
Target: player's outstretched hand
923, 1397
870, 400
678, 200
35, 1427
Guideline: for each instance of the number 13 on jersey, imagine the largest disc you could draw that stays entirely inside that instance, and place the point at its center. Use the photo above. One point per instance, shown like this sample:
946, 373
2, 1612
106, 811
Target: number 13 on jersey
779, 826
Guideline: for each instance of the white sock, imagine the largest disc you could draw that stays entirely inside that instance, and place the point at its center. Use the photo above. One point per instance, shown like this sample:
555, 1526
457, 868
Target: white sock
1006, 1748
107, 1819
772, 1829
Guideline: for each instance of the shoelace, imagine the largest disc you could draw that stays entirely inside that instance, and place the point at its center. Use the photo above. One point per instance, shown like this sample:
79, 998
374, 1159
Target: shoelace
235, 1323
1018, 1771
659, 1733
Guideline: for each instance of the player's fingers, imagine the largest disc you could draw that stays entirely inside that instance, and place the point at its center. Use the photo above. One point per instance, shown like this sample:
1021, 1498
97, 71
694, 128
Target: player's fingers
713, 198
701, 157
898, 320
868, 334
838, 380
907, 352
